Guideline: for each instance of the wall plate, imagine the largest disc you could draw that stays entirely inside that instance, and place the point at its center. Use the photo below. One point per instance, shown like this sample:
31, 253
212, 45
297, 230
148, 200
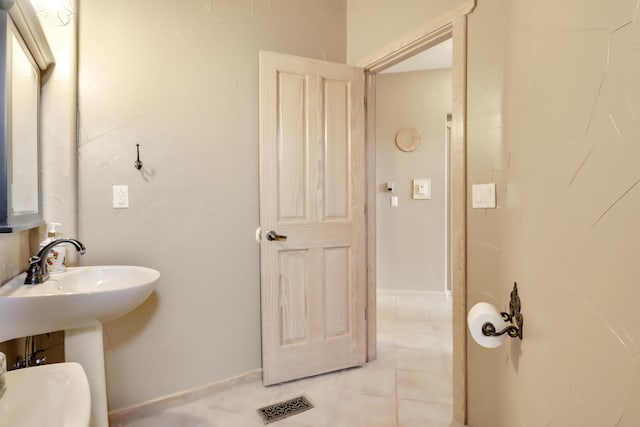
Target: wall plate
483, 196
120, 196
421, 188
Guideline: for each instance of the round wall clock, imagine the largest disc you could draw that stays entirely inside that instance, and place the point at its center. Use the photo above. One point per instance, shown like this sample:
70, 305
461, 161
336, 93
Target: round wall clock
408, 139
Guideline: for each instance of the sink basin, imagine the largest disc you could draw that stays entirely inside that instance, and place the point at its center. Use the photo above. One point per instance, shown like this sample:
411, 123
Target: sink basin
77, 301
79, 297
48, 395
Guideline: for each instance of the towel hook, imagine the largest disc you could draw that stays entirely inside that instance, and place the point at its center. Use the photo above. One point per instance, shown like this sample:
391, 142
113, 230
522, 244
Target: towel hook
138, 163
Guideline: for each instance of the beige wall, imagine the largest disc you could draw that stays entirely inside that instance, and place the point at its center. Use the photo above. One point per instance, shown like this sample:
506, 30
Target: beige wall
377, 24
14, 256
570, 233
553, 120
486, 159
182, 80
411, 237
59, 139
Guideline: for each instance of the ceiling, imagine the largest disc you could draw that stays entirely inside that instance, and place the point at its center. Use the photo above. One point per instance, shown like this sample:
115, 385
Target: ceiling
434, 58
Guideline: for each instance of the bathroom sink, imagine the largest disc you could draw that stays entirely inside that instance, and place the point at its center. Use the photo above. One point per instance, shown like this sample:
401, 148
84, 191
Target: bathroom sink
77, 298
77, 301
48, 395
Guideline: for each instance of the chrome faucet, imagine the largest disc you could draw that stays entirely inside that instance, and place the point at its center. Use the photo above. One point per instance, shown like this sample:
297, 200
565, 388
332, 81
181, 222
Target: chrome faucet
37, 272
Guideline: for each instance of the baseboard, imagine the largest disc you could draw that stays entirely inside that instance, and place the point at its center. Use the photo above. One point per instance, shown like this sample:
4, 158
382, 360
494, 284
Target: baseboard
151, 407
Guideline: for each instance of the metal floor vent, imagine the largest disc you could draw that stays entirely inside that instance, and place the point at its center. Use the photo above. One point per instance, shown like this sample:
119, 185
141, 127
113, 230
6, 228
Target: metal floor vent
281, 410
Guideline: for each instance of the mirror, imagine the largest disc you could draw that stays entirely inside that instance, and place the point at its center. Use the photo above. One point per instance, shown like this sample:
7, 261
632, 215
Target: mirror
21, 69
23, 128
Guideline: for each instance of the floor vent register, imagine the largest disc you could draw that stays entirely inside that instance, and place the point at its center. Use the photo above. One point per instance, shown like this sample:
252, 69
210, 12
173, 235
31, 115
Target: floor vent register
281, 410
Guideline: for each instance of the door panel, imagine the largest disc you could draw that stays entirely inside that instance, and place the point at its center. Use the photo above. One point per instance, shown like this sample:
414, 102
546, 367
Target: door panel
293, 296
313, 284
337, 264
337, 166
291, 174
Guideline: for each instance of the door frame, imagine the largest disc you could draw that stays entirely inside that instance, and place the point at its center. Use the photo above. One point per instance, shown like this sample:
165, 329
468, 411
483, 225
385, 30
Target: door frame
447, 210
452, 24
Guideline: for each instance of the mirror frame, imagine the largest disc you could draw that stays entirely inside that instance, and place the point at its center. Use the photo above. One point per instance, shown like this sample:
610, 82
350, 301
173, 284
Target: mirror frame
22, 17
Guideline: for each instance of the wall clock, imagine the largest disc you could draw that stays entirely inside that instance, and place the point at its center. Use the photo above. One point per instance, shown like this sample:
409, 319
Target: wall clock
408, 139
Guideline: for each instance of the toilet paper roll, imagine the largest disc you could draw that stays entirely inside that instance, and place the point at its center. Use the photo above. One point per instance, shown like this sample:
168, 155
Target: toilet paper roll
3, 373
480, 314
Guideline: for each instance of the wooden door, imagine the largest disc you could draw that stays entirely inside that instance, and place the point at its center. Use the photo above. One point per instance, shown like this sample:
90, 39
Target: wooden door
312, 190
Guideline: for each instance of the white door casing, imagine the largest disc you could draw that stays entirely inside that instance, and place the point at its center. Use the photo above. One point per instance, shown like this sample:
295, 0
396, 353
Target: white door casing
312, 190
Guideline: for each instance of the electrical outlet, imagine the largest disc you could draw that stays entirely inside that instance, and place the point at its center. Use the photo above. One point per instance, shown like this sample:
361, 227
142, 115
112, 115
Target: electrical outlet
422, 188
120, 196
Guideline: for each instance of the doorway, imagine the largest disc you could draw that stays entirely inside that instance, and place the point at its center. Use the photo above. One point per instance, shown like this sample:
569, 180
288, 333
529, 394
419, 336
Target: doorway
413, 103
413, 100
455, 29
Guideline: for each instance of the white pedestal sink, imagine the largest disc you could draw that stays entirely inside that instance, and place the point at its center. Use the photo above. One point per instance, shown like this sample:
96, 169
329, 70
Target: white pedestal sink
77, 301
48, 395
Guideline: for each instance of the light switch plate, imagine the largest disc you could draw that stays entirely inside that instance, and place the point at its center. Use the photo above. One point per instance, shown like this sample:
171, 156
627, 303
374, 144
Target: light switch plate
483, 196
120, 196
421, 188
394, 201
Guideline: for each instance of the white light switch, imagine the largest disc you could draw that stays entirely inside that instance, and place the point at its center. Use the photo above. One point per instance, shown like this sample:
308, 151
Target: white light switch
120, 196
483, 196
394, 201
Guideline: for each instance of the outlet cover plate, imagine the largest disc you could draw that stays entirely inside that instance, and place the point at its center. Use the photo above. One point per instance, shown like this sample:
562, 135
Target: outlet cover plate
421, 189
120, 196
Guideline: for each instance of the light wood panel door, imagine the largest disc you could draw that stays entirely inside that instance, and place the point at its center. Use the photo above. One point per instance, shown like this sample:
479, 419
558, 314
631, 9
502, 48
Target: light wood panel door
312, 190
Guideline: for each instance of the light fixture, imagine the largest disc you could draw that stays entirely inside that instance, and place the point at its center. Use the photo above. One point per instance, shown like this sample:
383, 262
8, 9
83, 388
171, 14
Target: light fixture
54, 12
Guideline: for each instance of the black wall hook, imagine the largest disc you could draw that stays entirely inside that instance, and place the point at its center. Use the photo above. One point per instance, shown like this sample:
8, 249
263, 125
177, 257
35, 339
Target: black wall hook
138, 163
514, 315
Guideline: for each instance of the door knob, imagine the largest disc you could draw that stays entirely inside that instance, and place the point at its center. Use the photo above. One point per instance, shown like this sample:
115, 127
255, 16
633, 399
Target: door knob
272, 235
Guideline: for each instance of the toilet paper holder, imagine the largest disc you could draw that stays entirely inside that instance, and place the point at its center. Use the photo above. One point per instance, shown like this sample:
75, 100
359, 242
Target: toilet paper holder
514, 316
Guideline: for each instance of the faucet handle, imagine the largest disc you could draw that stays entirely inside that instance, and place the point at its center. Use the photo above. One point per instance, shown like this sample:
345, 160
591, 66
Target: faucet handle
34, 273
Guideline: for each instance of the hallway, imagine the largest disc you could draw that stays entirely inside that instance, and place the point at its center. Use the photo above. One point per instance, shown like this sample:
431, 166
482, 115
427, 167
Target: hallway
408, 386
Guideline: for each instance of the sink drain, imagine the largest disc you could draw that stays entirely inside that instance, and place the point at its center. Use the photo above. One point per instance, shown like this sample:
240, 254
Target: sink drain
281, 410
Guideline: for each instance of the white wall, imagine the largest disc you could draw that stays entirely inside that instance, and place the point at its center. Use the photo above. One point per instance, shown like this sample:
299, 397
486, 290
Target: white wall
182, 80
411, 237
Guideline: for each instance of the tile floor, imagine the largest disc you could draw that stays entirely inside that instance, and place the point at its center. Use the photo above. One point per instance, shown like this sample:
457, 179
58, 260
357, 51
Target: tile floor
408, 386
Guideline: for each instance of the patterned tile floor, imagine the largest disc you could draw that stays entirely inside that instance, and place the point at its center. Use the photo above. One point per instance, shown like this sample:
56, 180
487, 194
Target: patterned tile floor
408, 386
